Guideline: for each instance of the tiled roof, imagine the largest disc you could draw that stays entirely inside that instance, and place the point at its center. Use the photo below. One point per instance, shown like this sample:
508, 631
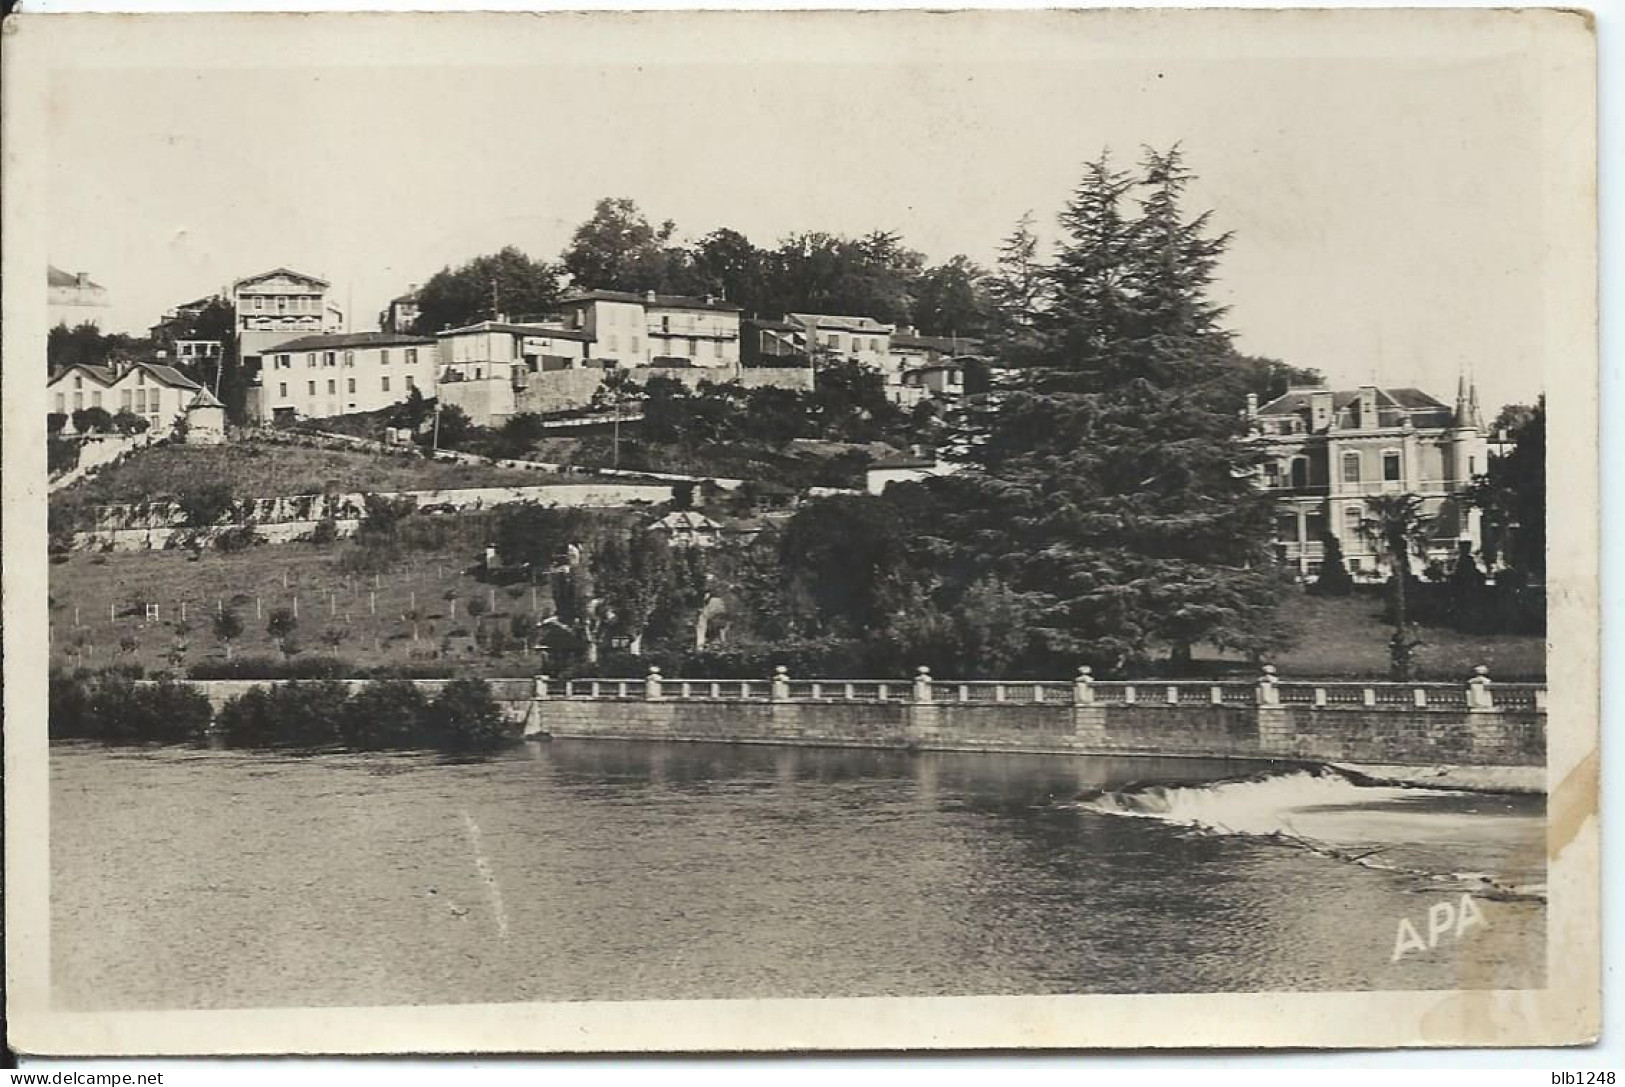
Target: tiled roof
903, 460
772, 326
659, 301
205, 399
948, 345
289, 272
1296, 400
686, 520
103, 374
330, 340
576, 334
56, 277
840, 322
168, 375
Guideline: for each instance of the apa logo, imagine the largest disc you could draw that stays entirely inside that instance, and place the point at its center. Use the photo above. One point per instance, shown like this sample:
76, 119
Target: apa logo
1443, 917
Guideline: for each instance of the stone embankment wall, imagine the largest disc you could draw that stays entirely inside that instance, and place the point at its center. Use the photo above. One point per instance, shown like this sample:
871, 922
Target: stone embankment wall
1477, 723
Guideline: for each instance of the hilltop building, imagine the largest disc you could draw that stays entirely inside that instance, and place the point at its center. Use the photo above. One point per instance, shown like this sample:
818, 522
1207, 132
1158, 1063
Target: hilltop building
1329, 450
652, 329
177, 335
73, 299
401, 314
276, 306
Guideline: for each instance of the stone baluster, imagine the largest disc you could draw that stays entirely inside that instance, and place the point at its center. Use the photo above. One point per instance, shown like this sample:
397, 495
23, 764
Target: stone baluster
781, 683
651, 684
1479, 698
1083, 686
922, 684
1269, 691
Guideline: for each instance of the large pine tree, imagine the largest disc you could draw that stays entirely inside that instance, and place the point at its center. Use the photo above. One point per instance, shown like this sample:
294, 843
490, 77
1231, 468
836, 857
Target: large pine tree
1113, 478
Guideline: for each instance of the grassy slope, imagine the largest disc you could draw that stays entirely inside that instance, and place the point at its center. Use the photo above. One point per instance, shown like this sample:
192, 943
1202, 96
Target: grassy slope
328, 599
265, 470
1347, 638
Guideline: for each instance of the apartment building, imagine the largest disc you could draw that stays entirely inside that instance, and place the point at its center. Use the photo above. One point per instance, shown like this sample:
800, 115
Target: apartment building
336, 374
652, 329
72, 298
158, 393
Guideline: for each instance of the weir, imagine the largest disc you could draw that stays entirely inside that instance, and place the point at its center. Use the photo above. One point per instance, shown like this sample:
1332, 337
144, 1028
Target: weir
1477, 722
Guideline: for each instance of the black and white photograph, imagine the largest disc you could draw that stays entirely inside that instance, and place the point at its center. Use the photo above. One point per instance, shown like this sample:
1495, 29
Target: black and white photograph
735, 531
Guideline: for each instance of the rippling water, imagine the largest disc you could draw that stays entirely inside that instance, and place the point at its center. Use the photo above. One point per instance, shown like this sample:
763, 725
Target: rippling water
618, 871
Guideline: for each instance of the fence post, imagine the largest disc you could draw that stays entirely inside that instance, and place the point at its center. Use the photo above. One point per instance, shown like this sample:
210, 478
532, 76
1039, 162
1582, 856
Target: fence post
538, 686
781, 684
1479, 697
651, 683
1083, 686
1269, 693
922, 684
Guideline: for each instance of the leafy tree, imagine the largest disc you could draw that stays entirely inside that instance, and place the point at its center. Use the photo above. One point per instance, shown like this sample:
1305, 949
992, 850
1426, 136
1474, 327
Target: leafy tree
873, 276
633, 574
845, 563
541, 536
1113, 484
383, 514
505, 282
953, 299
386, 713
618, 250
1270, 378
228, 627
87, 345
412, 412
518, 436
464, 716
1512, 493
282, 626
725, 263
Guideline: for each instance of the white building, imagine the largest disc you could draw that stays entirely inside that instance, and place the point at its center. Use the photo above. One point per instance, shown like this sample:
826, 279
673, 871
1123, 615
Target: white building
276, 306
157, 393
653, 329
325, 375
833, 337
72, 299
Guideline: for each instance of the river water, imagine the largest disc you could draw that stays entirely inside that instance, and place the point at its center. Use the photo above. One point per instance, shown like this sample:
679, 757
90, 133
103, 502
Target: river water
580, 870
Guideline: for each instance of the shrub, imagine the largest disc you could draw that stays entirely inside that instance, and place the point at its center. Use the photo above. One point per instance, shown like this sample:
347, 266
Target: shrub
385, 713
303, 713
111, 707
61, 455
238, 538
313, 667
55, 421
92, 421
128, 422
464, 716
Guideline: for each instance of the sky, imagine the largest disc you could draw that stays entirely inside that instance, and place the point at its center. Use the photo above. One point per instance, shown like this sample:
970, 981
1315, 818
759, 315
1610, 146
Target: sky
1386, 206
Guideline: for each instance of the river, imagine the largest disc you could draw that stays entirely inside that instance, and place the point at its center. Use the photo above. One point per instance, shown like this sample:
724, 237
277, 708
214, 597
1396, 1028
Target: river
583, 870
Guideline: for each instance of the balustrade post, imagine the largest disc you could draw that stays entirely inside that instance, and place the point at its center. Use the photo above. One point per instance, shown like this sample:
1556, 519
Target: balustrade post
1269, 692
1172, 695
1479, 698
781, 684
922, 684
538, 686
1083, 687
651, 684
1419, 696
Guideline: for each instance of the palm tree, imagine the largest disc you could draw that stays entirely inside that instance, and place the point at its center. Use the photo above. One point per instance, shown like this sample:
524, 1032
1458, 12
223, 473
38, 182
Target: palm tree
1395, 524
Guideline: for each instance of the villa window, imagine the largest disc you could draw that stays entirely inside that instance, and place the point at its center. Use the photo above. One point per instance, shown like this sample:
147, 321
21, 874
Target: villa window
384, 380
1351, 467
411, 383
1391, 466
1352, 520
383, 356
282, 390
310, 361
349, 358
123, 400
351, 387
312, 385
332, 387
411, 357
330, 358
95, 399
1300, 472
78, 382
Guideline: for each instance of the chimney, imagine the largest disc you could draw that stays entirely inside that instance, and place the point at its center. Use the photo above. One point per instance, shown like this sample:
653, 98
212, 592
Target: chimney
82, 278
1252, 405
1320, 410
1368, 407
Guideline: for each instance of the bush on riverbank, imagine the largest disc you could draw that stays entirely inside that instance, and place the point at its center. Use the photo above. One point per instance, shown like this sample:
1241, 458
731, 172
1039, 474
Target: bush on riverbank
112, 707
109, 706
